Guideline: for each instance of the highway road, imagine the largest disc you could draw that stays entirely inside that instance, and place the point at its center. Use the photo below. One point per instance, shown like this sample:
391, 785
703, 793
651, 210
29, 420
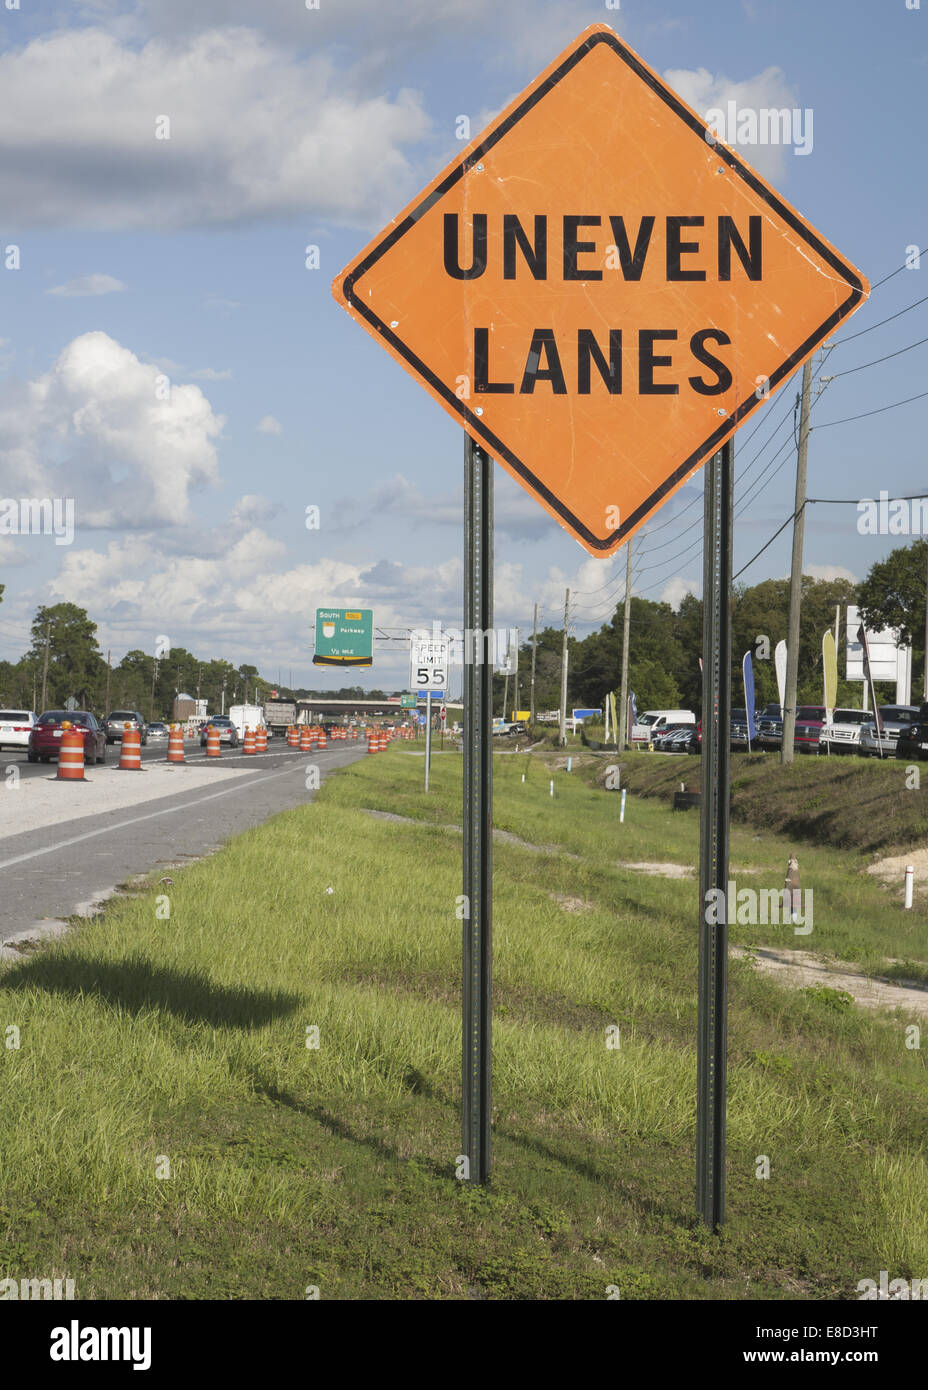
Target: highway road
58, 856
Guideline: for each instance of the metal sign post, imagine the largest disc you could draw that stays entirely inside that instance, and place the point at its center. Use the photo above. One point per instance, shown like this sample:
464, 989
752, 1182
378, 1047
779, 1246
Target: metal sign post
428, 736
478, 810
712, 1027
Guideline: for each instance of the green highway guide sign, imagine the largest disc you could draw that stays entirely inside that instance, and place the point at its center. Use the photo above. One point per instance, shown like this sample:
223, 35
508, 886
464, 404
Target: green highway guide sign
344, 637
408, 701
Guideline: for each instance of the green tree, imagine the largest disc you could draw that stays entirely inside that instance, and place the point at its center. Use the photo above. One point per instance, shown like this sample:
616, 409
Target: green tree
893, 595
75, 666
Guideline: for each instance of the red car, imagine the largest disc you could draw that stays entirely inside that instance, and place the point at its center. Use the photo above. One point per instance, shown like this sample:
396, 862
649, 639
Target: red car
45, 739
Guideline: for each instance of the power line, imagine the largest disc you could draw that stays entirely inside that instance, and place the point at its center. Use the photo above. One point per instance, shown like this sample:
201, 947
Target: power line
764, 547
877, 360
867, 413
855, 501
860, 333
905, 265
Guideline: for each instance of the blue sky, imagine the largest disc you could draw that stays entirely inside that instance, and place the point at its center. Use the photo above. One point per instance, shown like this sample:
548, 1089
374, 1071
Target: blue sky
184, 259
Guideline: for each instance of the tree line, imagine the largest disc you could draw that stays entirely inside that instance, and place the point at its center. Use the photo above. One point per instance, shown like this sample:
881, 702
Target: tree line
665, 645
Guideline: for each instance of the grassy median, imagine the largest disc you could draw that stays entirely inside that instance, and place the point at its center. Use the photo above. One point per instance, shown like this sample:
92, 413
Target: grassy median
168, 1133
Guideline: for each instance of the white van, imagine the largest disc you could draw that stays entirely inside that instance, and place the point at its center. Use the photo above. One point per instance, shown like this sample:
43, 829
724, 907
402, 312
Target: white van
246, 717
652, 721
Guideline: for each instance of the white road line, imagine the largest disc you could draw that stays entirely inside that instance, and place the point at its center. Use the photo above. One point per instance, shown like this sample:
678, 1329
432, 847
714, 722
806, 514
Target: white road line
137, 820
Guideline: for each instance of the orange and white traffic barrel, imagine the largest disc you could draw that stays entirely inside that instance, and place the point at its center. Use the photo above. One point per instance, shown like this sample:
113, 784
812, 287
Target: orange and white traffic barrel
305, 736
248, 743
293, 736
261, 739
213, 744
130, 755
71, 755
175, 744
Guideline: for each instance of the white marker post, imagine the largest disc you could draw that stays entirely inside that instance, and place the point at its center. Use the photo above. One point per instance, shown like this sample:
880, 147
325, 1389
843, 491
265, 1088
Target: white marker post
909, 883
622, 808
551, 788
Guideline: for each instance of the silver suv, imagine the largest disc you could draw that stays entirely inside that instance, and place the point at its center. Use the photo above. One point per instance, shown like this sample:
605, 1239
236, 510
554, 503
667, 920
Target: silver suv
894, 718
114, 725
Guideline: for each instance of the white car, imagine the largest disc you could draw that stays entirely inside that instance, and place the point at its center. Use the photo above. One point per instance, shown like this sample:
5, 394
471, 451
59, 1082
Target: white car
15, 727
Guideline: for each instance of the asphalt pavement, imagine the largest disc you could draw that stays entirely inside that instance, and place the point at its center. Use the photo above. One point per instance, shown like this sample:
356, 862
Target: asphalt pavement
56, 870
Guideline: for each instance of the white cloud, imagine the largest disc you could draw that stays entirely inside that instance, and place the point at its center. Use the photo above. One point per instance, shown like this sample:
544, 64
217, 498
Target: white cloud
270, 425
95, 428
703, 91
254, 132
676, 590
174, 369
85, 285
830, 572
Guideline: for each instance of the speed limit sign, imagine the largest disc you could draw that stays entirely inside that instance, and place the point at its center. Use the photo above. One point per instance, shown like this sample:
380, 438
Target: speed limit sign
428, 663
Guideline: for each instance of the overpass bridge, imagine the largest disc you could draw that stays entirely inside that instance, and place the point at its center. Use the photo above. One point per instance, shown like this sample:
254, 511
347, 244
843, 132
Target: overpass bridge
372, 708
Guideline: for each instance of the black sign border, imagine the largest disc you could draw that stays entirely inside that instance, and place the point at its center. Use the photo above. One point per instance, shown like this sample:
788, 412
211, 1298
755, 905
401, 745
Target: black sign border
478, 430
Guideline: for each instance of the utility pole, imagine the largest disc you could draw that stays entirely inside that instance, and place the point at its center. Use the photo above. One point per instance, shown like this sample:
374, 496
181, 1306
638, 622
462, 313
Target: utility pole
151, 703
623, 730
564, 670
505, 693
107, 700
535, 648
795, 576
45, 665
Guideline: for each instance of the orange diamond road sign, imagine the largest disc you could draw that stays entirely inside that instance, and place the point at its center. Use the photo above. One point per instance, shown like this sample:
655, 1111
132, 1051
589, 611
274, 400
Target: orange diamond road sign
599, 291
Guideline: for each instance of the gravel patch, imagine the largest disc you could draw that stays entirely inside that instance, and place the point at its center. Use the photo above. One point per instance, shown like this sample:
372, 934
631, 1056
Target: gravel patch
801, 969
658, 870
41, 801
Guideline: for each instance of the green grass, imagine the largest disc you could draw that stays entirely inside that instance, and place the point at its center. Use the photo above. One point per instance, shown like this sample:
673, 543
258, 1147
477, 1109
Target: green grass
145, 1039
854, 803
